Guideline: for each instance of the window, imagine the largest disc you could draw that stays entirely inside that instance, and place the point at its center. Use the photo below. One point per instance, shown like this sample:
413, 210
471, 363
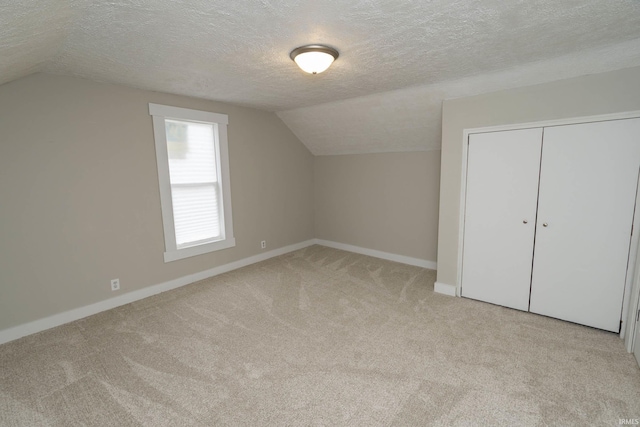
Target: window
193, 172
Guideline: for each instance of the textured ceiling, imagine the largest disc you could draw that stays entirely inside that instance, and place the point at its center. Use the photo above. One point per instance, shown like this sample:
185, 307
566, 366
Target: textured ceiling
237, 51
410, 119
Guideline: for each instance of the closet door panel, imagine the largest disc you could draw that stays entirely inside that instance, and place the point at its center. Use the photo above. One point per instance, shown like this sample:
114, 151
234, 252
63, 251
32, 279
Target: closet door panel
588, 183
500, 213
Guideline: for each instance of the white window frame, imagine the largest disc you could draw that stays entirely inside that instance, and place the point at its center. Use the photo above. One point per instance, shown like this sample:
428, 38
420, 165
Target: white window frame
219, 122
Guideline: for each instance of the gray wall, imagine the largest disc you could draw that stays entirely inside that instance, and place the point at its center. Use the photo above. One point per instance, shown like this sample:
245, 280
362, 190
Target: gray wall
605, 93
79, 193
387, 202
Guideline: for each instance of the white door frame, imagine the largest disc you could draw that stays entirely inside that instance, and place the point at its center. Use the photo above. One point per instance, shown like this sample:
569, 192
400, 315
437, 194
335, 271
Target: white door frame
631, 303
628, 312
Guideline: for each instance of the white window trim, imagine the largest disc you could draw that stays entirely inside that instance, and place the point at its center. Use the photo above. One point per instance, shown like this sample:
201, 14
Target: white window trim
220, 121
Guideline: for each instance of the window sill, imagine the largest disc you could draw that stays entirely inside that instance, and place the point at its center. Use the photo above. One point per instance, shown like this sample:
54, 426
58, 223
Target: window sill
198, 250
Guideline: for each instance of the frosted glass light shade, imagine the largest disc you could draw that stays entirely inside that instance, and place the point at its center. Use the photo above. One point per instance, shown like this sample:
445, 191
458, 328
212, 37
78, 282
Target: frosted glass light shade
314, 62
314, 59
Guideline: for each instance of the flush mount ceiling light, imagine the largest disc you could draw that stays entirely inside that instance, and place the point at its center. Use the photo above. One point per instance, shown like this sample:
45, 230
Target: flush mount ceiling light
314, 58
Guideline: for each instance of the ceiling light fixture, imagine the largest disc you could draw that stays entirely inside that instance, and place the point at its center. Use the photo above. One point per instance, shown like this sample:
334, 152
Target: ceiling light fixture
314, 58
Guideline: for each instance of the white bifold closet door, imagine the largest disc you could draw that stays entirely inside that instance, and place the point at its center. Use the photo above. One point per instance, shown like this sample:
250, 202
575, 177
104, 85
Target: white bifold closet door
500, 215
588, 181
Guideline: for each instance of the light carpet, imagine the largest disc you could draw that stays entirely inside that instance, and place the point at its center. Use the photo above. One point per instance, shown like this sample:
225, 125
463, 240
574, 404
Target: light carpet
317, 337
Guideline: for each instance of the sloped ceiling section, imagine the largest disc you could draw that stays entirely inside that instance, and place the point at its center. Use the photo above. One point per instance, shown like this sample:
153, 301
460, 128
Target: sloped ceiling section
410, 119
238, 52
31, 34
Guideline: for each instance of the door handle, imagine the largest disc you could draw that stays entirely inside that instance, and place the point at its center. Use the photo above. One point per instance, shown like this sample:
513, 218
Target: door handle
545, 224
524, 221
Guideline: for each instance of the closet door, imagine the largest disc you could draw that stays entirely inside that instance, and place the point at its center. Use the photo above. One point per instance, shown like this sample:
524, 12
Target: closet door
588, 183
500, 214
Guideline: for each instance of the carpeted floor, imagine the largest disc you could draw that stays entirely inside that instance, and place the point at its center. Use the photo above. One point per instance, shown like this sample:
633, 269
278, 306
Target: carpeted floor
317, 337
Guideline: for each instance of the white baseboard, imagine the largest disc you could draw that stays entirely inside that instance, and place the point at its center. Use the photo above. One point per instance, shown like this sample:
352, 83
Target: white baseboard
379, 254
25, 329
445, 289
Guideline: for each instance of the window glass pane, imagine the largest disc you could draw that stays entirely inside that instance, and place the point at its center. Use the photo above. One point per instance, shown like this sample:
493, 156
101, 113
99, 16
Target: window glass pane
196, 213
193, 176
191, 149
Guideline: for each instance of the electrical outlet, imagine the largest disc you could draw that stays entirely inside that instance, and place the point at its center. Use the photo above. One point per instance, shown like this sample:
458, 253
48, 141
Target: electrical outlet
115, 284
263, 244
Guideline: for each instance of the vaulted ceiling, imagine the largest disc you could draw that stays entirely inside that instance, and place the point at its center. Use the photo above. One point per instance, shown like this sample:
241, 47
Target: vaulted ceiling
398, 59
